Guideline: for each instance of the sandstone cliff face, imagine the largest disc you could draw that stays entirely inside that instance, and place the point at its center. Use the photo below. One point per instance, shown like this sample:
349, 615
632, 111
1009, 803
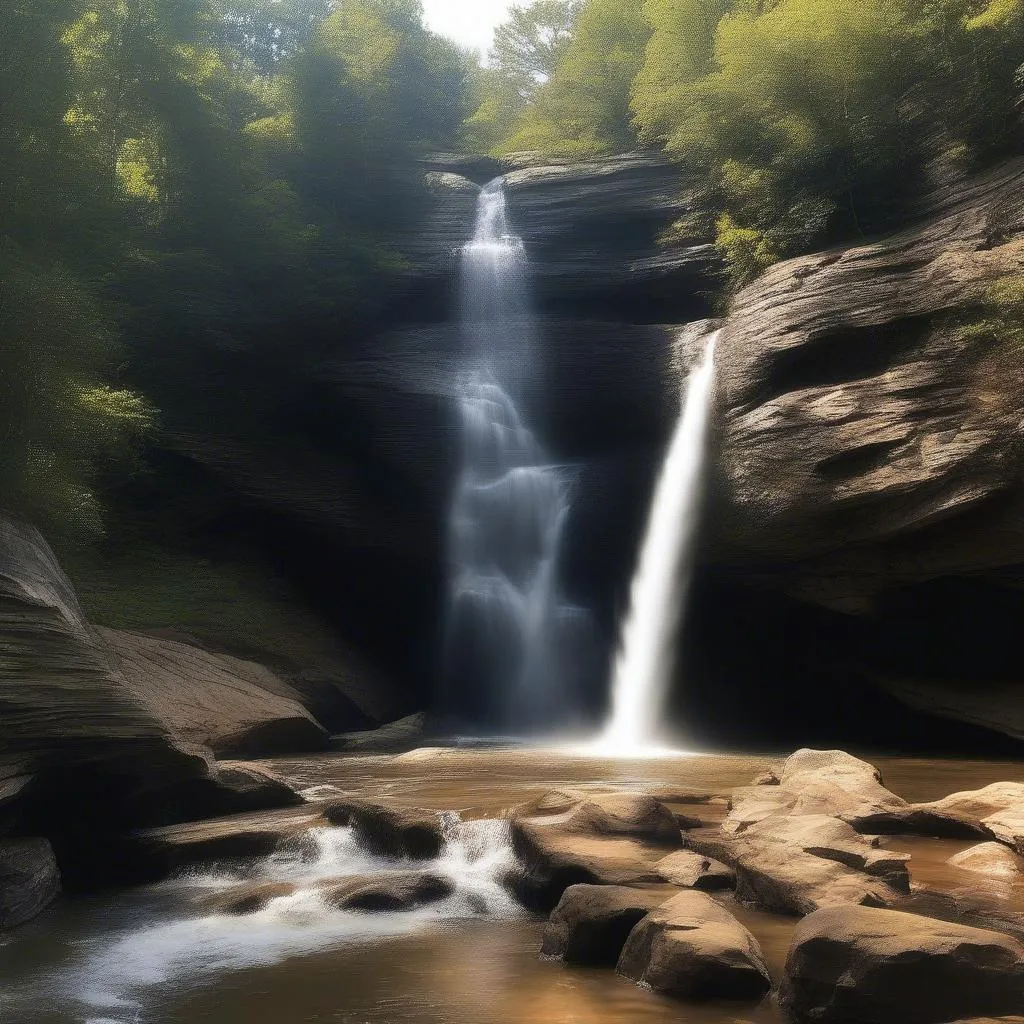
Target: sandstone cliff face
94, 727
871, 452
235, 707
65, 710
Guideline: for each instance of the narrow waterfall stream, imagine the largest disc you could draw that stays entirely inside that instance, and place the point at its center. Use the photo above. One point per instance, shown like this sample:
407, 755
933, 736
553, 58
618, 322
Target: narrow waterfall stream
647, 653
513, 640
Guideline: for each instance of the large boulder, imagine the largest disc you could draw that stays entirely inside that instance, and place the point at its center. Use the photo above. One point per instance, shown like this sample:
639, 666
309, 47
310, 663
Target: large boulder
565, 838
848, 965
591, 923
29, 880
834, 783
998, 808
991, 859
691, 947
234, 707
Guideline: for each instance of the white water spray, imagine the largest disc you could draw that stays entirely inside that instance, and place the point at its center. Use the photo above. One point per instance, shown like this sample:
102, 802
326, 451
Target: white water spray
513, 640
646, 658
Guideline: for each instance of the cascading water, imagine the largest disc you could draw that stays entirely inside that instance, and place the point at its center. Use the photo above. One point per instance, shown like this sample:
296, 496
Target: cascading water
512, 637
646, 658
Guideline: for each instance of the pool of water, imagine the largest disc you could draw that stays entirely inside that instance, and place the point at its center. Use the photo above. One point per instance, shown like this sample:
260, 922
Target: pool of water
165, 955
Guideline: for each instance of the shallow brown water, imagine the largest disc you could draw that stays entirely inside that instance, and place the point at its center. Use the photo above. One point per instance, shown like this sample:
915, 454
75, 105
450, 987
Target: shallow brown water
153, 963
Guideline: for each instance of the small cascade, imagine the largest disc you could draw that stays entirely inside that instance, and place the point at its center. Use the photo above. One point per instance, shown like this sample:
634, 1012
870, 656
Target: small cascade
647, 652
177, 938
513, 641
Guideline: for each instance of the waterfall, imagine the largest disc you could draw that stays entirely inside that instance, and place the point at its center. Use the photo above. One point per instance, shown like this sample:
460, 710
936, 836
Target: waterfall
646, 659
511, 636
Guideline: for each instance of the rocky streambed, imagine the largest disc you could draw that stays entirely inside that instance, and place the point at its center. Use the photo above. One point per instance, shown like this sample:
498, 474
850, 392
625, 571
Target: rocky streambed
512, 884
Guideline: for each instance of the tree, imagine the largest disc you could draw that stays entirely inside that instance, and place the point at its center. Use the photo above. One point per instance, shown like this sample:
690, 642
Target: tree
527, 48
583, 108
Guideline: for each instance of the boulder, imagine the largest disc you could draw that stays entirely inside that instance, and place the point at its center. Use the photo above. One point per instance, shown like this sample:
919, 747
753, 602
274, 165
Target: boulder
992, 859
29, 880
251, 787
691, 870
998, 808
248, 898
691, 947
395, 737
591, 923
834, 783
235, 707
387, 892
391, 831
566, 838
624, 814
853, 964
798, 864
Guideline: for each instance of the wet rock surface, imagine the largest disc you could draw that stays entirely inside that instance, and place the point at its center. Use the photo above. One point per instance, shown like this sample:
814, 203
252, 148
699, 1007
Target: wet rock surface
391, 831
691, 870
567, 838
29, 880
691, 947
854, 964
591, 923
991, 859
395, 892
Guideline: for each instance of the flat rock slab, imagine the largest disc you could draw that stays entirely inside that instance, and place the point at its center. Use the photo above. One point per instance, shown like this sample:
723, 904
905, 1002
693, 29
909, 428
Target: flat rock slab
691, 870
567, 837
691, 947
156, 853
591, 923
848, 965
234, 707
29, 880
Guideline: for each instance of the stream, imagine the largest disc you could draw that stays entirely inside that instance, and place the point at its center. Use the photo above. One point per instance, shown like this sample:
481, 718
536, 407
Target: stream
161, 955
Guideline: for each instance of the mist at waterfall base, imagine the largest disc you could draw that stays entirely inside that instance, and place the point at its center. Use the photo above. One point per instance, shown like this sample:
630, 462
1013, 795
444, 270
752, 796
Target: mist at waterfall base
517, 651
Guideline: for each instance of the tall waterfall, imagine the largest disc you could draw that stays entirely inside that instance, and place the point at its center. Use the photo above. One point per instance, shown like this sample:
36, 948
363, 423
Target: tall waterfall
512, 637
646, 658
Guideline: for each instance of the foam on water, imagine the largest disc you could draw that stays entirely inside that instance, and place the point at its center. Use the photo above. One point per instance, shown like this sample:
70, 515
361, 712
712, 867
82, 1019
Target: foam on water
114, 975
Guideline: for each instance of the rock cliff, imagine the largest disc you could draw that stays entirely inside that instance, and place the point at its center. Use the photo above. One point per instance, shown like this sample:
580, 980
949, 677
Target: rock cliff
872, 449
85, 752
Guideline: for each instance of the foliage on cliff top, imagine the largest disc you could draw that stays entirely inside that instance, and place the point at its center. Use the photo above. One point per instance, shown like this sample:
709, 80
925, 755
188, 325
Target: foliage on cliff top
182, 181
808, 120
